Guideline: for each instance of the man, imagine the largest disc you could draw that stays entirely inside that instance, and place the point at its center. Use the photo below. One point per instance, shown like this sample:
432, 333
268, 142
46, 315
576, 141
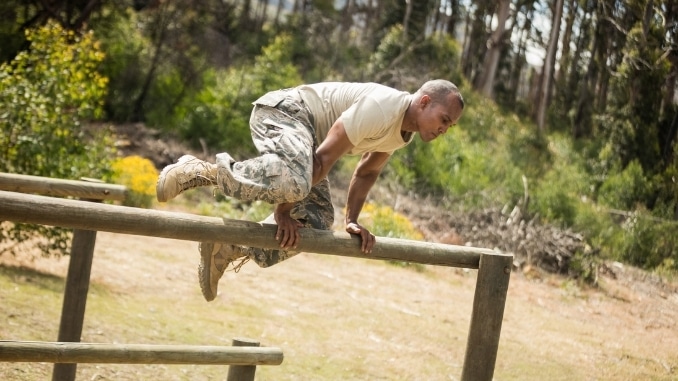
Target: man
300, 134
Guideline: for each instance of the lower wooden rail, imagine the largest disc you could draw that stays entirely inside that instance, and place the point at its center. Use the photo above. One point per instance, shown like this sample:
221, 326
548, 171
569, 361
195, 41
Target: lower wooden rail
66, 352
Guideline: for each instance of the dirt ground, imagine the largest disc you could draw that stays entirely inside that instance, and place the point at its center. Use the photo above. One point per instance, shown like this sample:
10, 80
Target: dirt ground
352, 319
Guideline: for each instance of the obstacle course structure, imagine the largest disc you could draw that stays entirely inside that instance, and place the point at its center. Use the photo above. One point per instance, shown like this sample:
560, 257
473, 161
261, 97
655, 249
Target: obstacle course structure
494, 269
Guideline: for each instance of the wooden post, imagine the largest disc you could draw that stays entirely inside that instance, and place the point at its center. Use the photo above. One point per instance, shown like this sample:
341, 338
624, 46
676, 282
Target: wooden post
242, 372
486, 318
75, 297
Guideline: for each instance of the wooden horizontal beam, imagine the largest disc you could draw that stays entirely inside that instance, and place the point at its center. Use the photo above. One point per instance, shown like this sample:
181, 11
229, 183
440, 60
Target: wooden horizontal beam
75, 214
90, 190
64, 352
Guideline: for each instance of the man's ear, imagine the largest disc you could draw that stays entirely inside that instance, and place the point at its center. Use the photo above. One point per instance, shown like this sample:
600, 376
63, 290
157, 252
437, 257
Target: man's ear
424, 100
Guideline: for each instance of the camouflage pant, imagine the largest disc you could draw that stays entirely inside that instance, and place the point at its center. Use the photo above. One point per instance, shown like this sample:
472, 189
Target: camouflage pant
282, 131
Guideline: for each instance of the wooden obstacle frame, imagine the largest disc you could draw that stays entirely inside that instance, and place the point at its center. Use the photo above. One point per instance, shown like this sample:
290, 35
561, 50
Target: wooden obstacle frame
491, 289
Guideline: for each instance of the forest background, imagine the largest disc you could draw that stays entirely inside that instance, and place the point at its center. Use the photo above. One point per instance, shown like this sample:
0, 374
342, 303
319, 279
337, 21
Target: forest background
571, 112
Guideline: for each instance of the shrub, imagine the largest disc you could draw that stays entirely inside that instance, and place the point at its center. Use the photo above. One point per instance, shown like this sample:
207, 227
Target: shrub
126, 63
139, 176
391, 60
46, 93
625, 189
473, 171
649, 242
385, 222
559, 191
220, 113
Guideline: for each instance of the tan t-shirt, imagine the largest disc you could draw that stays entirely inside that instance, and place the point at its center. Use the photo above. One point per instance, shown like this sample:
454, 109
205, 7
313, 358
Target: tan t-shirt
372, 113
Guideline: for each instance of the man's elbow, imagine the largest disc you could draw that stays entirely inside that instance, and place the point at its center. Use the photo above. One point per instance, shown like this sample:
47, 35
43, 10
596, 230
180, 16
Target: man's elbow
366, 175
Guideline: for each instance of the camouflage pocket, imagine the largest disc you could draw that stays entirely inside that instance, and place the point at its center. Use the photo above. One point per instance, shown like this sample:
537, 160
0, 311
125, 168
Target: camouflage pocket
272, 99
272, 167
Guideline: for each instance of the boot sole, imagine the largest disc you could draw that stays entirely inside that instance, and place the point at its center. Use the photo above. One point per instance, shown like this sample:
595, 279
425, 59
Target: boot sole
204, 275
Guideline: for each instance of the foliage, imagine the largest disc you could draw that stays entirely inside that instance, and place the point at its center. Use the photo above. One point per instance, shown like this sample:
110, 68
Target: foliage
11, 38
625, 189
472, 164
386, 222
46, 93
139, 175
559, 190
388, 50
392, 60
648, 242
126, 62
220, 112
383, 221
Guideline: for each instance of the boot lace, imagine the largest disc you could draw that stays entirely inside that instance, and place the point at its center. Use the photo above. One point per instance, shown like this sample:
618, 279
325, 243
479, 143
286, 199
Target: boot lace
197, 181
236, 268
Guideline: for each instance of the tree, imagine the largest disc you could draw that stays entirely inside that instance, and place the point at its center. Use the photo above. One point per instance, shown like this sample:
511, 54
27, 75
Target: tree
17, 16
545, 87
630, 125
495, 45
47, 93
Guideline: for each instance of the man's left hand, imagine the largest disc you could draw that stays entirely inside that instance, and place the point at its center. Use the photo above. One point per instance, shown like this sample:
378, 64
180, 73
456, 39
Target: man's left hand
367, 239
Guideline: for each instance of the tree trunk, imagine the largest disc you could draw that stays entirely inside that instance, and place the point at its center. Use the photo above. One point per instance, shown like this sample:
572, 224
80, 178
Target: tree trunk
406, 21
454, 18
476, 43
165, 17
347, 17
549, 61
670, 83
567, 38
485, 82
278, 12
515, 80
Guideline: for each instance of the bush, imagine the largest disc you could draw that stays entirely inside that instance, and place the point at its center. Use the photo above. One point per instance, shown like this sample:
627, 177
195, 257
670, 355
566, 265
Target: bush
383, 221
625, 189
391, 60
220, 113
649, 242
126, 63
46, 93
139, 176
559, 192
386, 222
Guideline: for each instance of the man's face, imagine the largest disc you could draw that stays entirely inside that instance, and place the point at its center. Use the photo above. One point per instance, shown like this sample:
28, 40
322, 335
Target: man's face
435, 119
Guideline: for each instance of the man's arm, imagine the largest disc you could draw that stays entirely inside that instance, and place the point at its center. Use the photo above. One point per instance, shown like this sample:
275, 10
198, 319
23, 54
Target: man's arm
335, 145
364, 177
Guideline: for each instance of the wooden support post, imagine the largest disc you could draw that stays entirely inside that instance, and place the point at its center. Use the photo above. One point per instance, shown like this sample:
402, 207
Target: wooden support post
75, 297
488, 312
242, 372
